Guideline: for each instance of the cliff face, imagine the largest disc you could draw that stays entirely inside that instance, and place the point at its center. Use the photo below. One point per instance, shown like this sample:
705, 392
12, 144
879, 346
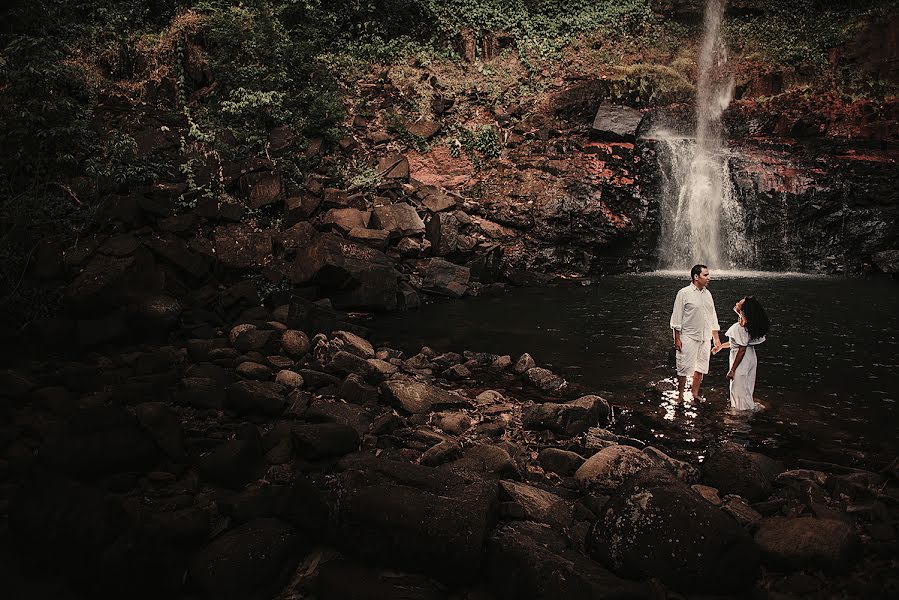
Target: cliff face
452, 177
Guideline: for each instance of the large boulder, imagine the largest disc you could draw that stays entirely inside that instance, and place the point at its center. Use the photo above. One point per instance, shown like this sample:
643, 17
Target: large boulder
526, 561
413, 517
417, 397
442, 277
733, 470
807, 543
346, 219
656, 526
443, 233
399, 219
240, 247
617, 123
536, 504
100, 285
353, 275
609, 467
250, 561
569, 418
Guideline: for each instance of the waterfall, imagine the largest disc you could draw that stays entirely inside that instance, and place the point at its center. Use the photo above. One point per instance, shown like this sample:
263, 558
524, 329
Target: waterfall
700, 218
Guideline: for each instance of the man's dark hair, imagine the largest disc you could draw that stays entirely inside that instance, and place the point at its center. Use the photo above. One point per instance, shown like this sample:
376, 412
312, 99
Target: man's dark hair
696, 270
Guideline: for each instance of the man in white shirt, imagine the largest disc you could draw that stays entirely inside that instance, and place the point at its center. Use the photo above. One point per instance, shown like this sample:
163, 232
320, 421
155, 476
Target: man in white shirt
695, 324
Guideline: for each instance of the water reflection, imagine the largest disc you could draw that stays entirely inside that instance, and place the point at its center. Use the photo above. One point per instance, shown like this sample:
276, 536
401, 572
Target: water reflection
826, 373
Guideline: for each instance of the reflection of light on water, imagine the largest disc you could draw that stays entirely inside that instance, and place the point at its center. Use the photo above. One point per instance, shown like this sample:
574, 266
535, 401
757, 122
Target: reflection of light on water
670, 403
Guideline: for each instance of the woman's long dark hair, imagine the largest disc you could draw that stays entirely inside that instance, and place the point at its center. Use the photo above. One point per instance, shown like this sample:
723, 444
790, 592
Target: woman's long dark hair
757, 322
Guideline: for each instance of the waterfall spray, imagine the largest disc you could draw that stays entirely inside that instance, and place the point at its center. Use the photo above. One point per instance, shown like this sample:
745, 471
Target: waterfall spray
701, 221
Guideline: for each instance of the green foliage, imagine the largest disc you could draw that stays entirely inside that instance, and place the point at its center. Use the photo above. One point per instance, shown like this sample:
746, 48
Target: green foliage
645, 84
265, 58
803, 31
355, 173
481, 146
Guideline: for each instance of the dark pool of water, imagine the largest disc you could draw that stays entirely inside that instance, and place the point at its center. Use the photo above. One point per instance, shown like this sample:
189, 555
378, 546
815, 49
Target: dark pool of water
828, 374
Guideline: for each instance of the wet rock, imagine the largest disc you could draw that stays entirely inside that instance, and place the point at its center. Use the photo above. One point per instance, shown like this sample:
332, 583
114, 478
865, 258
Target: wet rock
609, 467
537, 505
501, 363
357, 417
251, 561
887, 261
418, 398
353, 275
570, 418
413, 517
656, 526
530, 562
490, 397
524, 363
807, 543
441, 453
544, 379
383, 369
561, 462
344, 363
354, 344
356, 391
445, 278
742, 513
316, 380
710, 494
256, 397
324, 440
234, 463
487, 459
237, 330
733, 470
455, 423
255, 339
253, 370
682, 470
295, 343
289, 379
456, 372
617, 123
419, 362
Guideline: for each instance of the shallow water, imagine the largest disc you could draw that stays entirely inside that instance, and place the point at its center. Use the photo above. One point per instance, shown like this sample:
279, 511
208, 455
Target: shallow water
827, 374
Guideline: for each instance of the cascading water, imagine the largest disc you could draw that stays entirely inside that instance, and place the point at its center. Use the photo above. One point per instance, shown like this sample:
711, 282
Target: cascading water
701, 220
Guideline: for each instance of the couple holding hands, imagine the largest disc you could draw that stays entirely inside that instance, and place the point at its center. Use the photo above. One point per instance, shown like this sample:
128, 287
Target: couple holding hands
695, 325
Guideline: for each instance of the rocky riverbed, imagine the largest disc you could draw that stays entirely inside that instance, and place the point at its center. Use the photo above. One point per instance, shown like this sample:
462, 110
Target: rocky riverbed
280, 455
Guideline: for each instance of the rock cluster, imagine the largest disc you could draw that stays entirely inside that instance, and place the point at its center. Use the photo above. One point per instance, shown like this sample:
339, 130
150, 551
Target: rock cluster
271, 457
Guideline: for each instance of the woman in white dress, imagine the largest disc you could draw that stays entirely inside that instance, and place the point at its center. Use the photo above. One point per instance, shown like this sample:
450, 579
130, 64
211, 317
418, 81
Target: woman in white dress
748, 332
